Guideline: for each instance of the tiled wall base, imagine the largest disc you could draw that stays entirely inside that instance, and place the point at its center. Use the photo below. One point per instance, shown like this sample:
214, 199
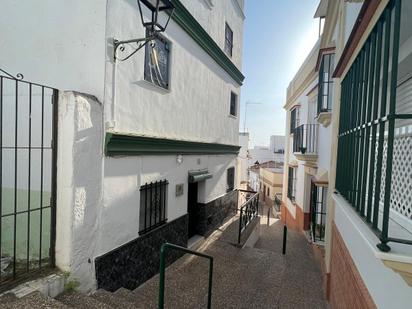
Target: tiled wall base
211, 215
345, 286
300, 223
137, 261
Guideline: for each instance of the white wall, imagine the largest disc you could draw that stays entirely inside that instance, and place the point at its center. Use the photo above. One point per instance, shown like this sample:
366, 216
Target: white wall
124, 176
324, 147
79, 189
55, 42
213, 19
242, 158
254, 180
387, 288
197, 105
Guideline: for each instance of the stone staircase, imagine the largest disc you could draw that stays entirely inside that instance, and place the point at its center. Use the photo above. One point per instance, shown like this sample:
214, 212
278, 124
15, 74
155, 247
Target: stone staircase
259, 277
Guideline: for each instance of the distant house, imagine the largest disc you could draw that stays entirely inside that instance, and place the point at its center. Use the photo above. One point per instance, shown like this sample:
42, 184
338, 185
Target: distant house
267, 178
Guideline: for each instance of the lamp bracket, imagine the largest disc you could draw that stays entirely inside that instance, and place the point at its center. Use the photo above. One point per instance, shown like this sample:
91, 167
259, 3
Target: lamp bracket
121, 45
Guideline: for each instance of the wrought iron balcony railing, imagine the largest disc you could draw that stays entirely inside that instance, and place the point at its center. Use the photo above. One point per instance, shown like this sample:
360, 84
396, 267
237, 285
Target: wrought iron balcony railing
305, 139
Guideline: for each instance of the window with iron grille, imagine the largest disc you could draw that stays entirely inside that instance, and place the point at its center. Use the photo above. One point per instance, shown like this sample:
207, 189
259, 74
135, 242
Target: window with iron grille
318, 212
156, 67
292, 184
153, 205
375, 124
325, 92
230, 179
233, 104
294, 119
228, 40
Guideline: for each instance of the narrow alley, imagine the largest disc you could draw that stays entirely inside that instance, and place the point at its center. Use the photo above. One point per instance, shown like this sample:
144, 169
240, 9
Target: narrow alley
259, 277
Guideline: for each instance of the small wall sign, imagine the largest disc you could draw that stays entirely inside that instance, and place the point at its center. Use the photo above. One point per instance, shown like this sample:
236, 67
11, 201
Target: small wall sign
179, 189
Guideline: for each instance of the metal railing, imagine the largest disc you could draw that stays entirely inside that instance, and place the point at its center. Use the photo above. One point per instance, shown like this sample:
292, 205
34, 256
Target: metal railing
278, 201
305, 139
368, 116
248, 211
166, 246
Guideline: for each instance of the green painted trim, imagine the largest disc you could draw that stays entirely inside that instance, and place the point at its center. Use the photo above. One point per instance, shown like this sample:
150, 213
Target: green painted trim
188, 23
129, 145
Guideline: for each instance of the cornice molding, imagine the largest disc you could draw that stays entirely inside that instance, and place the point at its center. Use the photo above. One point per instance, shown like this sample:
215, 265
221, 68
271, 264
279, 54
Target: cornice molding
192, 27
117, 144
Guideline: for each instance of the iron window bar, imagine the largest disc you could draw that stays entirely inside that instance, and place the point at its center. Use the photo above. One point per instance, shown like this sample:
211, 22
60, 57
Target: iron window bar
292, 184
153, 206
294, 119
318, 212
367, 119
228, 40
325, 84
305, 139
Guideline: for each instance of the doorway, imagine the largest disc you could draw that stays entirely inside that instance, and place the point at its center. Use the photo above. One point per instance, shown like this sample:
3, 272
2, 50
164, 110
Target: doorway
192, 208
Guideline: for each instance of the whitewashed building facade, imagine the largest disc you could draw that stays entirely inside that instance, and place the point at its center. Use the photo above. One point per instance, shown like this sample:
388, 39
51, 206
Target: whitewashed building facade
365, 167
141, 157
307, 151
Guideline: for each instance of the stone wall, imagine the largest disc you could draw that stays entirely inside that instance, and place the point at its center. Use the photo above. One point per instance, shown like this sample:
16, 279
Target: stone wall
137, 261
211, 215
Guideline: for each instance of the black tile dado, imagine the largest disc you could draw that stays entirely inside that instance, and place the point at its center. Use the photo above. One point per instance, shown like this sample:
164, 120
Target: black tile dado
137, 261
211, 215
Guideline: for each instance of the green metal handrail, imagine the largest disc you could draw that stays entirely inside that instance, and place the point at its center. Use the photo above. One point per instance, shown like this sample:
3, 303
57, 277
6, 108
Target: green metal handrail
163, 250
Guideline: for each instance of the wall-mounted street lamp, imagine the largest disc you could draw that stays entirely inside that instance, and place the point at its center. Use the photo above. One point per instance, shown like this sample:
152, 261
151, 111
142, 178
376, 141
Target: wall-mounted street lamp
154, 24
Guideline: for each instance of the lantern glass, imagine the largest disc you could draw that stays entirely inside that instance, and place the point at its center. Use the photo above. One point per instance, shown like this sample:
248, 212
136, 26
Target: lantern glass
155, 22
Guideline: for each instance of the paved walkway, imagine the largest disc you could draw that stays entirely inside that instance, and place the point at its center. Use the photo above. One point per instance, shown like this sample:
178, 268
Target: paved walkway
259, 277
248, 278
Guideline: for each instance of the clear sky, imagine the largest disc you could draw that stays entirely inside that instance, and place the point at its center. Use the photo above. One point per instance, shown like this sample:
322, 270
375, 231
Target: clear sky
278, 35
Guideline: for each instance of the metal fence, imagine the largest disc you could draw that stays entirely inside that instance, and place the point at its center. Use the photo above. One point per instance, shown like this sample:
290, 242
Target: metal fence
248, 211
28, 137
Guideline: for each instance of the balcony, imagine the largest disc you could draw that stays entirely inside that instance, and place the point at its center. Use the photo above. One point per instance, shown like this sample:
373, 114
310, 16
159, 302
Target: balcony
305, 142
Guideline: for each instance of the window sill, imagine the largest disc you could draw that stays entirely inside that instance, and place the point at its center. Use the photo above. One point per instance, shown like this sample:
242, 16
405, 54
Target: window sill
307, 157
399, 259
232, 116
324, 118
148, 85
153, 228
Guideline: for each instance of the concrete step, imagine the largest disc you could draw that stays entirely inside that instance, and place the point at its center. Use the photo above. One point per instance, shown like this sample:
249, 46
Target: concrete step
81, 301
131, 297
115, 300
7, 298
35, 300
